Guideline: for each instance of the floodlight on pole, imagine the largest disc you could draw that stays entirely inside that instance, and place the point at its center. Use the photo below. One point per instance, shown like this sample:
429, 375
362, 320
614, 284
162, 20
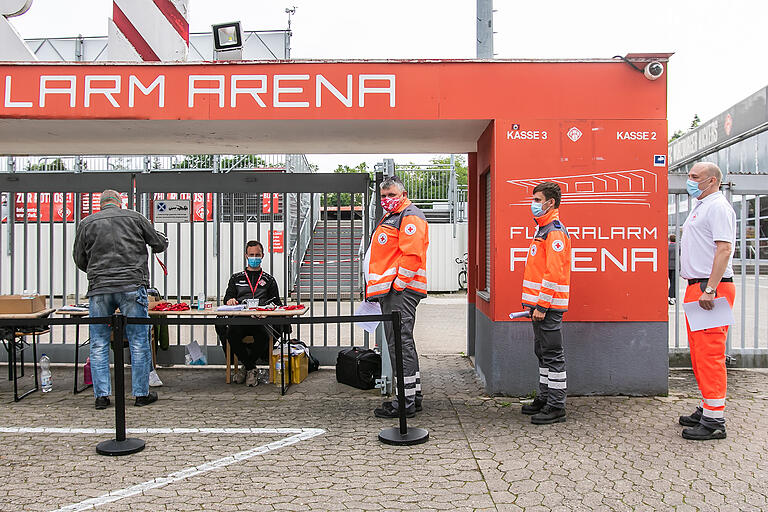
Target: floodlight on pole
228, 41
290, 11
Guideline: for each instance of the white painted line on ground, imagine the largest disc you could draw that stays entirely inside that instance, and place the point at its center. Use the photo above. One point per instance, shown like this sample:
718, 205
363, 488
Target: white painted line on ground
299, 434
58, 430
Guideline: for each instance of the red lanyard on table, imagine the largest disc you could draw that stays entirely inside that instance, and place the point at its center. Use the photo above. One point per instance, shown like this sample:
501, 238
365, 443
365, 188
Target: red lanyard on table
253, 288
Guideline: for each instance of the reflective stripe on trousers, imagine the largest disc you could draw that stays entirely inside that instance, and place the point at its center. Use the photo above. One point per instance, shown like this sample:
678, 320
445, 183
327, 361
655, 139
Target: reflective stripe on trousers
548, 346
405, 302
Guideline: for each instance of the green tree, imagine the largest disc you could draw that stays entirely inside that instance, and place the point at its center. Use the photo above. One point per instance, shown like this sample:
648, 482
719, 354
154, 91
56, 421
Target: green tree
676, 135
695, 122
243, 162
460, 161
47, 165
195, 162
226, 163
346, 197
679, 133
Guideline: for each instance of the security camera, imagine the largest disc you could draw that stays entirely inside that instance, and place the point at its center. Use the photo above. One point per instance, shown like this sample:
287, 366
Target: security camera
653, 70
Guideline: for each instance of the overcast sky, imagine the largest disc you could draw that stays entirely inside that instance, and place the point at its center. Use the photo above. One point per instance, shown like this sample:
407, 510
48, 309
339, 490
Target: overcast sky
719, 46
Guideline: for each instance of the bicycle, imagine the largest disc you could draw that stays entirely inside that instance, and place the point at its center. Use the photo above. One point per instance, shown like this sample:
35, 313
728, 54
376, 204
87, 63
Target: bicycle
463, 271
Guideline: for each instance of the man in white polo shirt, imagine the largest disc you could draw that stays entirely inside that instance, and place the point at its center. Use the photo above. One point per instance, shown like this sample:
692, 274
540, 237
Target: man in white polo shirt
709, 234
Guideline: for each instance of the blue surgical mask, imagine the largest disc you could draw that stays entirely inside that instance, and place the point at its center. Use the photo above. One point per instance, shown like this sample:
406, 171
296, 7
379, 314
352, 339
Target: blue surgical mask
536, 209
254, 262
693, 188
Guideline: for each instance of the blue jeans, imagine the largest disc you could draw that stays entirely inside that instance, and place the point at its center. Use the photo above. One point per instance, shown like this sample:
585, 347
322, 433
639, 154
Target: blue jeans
131, 304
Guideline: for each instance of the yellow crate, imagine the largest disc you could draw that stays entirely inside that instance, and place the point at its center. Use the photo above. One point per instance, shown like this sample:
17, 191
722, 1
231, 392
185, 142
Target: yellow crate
300, 367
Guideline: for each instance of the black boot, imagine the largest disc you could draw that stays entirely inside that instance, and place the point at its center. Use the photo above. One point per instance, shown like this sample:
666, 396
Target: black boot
692, 420
388, 411
417, 404
534, 407
141, 401
547, 415
703, 433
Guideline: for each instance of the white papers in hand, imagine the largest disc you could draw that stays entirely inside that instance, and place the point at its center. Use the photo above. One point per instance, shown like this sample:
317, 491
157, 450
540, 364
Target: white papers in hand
700, 319
520, 314
368, 308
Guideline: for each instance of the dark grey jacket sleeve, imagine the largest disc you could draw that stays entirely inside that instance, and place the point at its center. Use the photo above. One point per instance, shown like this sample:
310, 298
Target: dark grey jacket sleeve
154, 239
79, 253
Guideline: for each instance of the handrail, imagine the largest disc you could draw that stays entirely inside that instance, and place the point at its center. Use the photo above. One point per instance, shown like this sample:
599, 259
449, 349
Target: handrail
303, 239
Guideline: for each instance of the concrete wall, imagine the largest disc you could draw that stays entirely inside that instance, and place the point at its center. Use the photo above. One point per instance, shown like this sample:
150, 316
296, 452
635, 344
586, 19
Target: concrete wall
602, 358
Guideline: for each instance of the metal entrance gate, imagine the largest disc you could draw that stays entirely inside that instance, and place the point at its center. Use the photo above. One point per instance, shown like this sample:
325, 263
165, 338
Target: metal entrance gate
301, 219
747, 344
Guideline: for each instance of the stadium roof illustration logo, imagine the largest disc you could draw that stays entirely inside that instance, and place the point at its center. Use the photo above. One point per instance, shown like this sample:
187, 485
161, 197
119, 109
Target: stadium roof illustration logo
629, 187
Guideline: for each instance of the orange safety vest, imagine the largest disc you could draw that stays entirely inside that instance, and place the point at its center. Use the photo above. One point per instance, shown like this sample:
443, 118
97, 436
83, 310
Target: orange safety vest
547, 276
397, 256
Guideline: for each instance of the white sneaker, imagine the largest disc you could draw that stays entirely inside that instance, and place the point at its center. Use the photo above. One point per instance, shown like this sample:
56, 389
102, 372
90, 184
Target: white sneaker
154, 380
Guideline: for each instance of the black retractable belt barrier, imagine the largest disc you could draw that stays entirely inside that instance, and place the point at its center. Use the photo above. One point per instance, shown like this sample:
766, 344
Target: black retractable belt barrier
125, 446
120, 445
393, 435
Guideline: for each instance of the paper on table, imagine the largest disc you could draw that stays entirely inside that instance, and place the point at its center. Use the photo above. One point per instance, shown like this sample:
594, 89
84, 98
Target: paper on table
73, 308
700, 319
368, 308
236, 307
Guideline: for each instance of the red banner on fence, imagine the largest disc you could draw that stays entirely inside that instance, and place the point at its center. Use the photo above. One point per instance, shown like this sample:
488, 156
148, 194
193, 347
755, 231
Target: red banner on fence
26, 205
267, 207
276, 241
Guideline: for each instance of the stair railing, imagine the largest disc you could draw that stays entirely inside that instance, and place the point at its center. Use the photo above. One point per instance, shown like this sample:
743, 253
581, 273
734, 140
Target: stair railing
309, 220
300, 228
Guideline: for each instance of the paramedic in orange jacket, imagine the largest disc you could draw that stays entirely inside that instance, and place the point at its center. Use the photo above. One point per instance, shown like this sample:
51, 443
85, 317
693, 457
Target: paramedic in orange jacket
709, 235
396, 277
546, 288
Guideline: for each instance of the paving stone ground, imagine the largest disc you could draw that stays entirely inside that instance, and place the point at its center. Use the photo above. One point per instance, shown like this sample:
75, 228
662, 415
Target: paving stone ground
613, 453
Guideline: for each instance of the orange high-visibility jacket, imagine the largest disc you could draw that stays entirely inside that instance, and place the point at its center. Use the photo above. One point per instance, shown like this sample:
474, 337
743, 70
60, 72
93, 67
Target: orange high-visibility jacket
547, 276
397, 256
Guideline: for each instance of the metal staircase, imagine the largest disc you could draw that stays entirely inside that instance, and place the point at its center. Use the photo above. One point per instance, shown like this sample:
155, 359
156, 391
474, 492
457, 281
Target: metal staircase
331, 265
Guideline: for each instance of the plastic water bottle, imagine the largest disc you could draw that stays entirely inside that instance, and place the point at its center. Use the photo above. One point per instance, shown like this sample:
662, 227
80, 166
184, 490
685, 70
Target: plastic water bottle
278, 372
201, 301
46, 380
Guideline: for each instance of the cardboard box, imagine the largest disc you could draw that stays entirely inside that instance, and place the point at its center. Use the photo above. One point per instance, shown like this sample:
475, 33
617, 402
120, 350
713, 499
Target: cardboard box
300, 367
21, 304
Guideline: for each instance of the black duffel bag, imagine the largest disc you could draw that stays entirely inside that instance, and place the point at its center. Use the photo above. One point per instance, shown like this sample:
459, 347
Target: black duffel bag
358, 367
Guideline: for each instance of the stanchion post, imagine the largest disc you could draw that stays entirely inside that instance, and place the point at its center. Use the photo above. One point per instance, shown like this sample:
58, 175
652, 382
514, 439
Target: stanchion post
118, 335
401, 436
120, 445
396, 317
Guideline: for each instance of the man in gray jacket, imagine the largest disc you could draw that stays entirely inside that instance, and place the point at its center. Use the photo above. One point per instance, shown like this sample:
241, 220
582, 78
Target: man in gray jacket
111, 246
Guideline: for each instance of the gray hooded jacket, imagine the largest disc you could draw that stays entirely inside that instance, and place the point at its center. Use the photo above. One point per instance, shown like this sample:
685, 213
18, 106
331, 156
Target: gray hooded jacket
111, 247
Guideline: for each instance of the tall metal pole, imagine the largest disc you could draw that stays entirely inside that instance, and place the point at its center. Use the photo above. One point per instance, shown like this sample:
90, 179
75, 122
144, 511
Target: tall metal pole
290, 12
401, 435
484, 29
120, 445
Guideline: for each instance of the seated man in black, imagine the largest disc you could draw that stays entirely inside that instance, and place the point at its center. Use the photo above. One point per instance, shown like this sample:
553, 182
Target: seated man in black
252, 283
